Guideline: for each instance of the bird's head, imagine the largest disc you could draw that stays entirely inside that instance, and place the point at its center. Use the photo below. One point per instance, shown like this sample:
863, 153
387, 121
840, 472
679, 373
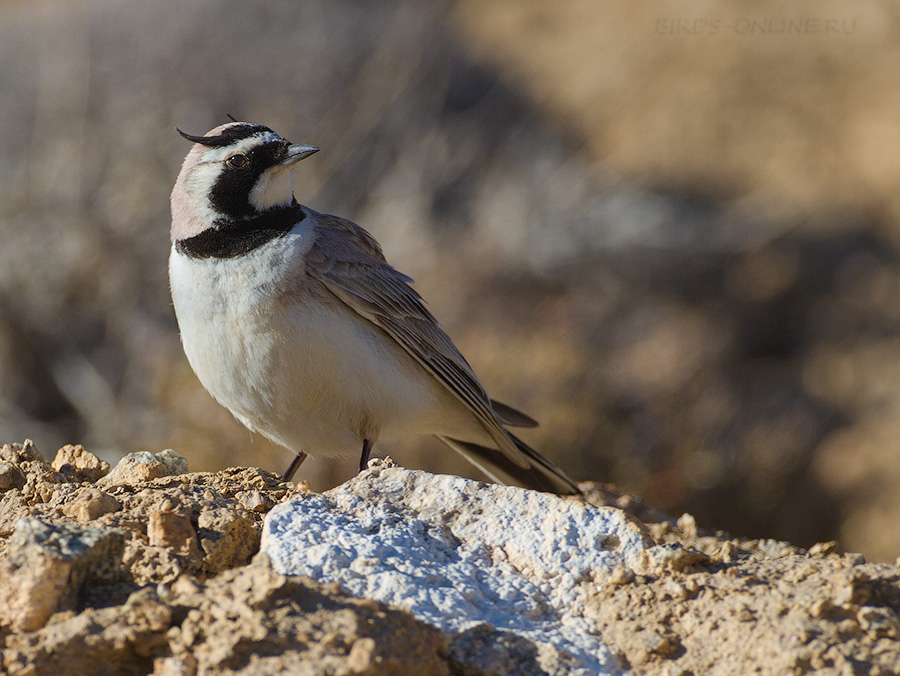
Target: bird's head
234, 172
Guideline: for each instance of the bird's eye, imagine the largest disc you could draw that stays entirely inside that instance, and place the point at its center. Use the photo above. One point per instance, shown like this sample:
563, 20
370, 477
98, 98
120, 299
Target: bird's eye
238, 161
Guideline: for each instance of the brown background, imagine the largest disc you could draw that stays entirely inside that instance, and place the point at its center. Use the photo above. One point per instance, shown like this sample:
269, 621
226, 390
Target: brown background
669, 232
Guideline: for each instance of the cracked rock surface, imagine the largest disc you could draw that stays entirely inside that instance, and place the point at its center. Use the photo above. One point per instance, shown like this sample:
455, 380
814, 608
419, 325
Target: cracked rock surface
147, 569
463, 555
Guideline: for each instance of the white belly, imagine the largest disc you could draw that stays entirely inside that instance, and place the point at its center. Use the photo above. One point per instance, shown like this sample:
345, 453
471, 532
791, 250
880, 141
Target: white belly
311, 376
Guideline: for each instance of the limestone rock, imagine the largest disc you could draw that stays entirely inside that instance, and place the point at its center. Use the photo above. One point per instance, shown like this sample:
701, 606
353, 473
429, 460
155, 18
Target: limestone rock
258, 622
41, 480
116, 641
89, 503
249, 621
508, 582
171, 530
46, 566
25, 455
461, 554
10, 476
143, 466
77, 464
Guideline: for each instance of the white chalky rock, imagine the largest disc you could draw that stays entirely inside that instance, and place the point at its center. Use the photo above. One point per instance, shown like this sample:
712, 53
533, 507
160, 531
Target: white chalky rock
461, 554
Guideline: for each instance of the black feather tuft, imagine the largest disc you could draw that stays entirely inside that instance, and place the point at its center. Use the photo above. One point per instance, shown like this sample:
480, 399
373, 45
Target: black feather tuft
229, 135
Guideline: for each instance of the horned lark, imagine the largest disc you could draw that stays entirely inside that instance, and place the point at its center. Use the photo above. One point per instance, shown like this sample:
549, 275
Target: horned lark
295, 322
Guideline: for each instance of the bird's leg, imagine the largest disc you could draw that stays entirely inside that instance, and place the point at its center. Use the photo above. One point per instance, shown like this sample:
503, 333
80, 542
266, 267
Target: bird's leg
292, 468
364, 457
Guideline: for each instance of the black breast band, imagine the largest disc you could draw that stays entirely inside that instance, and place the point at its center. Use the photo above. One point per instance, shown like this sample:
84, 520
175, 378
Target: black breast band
229, 238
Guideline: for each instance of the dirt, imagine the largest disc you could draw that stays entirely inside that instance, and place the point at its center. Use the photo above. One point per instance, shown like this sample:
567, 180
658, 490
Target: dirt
248, 620
743, 609
192, 596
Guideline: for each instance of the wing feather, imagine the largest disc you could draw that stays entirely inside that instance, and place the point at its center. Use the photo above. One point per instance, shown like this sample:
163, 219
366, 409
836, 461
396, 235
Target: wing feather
350, 263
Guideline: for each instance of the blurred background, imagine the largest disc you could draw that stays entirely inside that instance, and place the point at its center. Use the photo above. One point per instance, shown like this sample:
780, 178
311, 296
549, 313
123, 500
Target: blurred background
669, 231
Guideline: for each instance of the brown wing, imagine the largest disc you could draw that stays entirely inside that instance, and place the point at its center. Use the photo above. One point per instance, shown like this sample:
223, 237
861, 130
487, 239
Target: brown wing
350, 263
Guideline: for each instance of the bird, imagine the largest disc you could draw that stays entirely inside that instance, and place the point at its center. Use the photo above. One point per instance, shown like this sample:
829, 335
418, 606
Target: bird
295, 322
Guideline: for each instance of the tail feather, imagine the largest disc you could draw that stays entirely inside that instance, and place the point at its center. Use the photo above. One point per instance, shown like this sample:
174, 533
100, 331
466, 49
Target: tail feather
512, 416
540, 475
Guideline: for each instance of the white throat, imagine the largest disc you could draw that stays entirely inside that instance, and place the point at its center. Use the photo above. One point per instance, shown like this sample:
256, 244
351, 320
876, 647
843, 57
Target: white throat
274, 188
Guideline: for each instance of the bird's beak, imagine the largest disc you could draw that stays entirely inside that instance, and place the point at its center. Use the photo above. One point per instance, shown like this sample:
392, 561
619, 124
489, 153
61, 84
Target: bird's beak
297, 152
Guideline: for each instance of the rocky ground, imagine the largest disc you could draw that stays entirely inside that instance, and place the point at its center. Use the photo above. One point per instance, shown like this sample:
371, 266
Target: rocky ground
149, 569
